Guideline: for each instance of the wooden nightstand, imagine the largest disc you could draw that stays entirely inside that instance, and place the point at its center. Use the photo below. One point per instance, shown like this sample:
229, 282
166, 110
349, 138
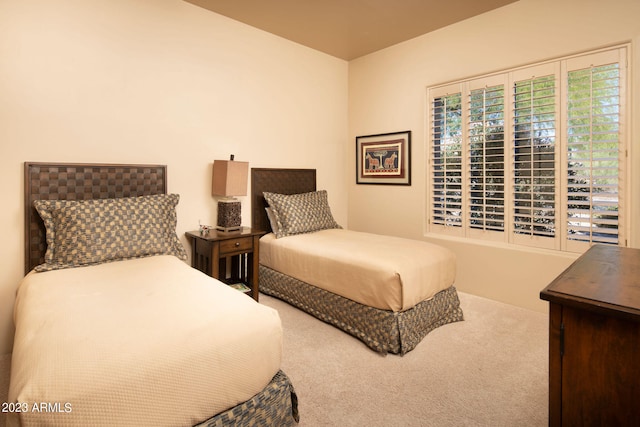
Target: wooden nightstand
230, 257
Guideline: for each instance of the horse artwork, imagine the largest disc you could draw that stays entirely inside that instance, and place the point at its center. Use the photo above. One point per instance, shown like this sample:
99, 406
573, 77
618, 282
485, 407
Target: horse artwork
372, 163
384, 159
381, 161
390, 162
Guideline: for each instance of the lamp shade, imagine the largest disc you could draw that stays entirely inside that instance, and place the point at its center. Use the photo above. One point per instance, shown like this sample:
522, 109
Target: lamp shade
229, 178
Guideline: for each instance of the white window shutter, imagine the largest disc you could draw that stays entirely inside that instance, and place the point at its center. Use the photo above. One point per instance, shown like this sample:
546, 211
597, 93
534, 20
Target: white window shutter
535, 101
533, 156
486, 161
593, 155
446, 146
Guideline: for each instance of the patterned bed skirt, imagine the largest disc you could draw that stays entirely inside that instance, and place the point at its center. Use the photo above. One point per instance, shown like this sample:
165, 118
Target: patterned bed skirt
383, 331
275, 405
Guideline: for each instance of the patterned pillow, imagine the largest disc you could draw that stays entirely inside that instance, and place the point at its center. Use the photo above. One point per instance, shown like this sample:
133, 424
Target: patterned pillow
300, 213
273, 221
85, 232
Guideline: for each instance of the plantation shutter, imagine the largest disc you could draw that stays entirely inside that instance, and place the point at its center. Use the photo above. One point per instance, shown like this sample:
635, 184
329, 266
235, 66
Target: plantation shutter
533, 156
446, 162
486, 158
534, 138
594, 154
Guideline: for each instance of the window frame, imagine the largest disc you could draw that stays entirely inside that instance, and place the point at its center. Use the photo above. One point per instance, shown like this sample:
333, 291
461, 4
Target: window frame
559, 68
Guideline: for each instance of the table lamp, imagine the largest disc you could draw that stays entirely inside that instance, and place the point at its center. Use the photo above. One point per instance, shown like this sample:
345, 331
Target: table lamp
229, 180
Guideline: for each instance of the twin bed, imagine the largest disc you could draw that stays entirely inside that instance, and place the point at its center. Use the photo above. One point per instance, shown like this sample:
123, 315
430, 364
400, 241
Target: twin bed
114, 328
388, 292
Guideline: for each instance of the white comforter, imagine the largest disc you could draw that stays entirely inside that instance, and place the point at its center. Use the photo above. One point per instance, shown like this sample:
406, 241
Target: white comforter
389, 273
148, 341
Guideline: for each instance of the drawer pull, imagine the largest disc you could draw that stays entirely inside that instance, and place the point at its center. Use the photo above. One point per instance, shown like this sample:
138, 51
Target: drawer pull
237, 244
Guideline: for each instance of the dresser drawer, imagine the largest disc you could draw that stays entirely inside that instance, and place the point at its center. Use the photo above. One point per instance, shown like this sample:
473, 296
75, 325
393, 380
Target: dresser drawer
243, 244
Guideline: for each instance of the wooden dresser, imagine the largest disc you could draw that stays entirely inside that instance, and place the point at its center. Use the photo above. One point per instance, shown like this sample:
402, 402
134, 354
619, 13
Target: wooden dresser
594, 340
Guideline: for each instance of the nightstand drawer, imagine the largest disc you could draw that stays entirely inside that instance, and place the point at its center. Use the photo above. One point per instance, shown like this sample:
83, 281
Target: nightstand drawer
242, 244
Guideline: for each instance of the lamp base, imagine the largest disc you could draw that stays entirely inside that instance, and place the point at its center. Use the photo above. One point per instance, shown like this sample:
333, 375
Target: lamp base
229, 215
228, 229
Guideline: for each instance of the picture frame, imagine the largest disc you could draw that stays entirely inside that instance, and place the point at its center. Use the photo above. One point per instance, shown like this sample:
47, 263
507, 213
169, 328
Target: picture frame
384, 159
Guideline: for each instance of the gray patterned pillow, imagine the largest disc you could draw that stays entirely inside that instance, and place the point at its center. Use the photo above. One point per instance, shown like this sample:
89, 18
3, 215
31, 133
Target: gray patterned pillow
301, 213
273, 221
85, 232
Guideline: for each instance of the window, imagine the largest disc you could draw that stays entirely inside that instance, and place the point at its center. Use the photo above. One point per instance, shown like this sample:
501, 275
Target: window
447, 161
533, 156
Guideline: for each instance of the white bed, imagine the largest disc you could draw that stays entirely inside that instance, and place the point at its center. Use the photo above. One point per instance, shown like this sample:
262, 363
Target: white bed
148, 341
385, 272
387, 291
114, 328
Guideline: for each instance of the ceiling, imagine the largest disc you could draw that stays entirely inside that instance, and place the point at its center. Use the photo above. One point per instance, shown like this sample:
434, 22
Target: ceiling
349, 29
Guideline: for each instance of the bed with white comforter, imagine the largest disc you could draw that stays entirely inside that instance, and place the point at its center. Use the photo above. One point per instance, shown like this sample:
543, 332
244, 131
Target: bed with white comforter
384, 272
146, 341
114, 328
387, 291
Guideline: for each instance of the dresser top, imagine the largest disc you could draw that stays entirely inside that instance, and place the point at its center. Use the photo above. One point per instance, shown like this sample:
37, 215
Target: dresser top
605, 278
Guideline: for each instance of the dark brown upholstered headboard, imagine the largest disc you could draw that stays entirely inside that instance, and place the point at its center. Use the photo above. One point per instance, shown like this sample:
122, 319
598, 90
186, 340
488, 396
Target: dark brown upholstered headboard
282, 181
75, 181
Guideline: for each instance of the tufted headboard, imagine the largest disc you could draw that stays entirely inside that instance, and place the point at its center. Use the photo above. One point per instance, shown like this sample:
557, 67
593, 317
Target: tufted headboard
80, 181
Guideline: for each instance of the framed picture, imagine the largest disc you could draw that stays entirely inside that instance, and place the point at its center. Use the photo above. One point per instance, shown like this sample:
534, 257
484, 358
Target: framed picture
384, 158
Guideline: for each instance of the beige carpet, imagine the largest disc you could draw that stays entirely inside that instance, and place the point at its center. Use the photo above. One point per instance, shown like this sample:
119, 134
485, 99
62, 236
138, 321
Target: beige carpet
489, 370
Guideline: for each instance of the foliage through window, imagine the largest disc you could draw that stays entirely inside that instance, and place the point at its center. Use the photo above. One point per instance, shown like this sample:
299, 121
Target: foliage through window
532, 156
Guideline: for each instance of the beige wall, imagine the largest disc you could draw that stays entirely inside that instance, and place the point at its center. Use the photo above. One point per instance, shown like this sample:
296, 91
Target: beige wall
387, 92
160, 81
